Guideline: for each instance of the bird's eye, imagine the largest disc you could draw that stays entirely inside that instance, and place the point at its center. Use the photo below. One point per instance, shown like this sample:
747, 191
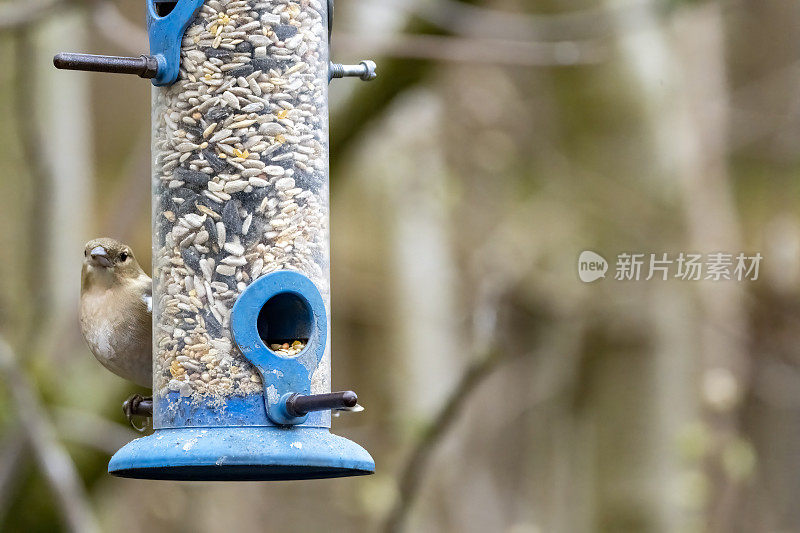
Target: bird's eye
84, 253
123, 256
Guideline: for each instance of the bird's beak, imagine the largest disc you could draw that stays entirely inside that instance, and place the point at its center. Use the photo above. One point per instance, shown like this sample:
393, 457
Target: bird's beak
99, 256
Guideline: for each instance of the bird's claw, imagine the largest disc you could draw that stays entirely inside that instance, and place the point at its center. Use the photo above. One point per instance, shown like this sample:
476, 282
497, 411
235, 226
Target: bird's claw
136, 406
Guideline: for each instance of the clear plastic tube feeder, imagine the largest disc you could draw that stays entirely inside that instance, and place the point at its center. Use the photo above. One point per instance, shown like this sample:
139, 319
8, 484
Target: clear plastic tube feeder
241, 274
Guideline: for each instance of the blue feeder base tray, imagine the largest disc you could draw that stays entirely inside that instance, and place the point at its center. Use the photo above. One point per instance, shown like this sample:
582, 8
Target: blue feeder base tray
254, 453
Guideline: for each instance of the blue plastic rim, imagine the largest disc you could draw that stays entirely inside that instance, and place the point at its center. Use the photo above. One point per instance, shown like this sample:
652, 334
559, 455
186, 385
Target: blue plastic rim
241, 454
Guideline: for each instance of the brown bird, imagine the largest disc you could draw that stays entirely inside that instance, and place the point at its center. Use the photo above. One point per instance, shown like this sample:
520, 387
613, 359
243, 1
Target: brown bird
116, 310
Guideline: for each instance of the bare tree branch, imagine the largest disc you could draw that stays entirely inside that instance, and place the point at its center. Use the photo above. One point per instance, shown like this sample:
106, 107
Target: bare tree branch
466, 19
12, 457
475, 50
41, 179
462, 18
438, 428
53, 459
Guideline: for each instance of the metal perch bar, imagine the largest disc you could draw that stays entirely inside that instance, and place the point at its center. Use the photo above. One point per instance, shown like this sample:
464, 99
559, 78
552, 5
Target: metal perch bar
300, 405
143, 66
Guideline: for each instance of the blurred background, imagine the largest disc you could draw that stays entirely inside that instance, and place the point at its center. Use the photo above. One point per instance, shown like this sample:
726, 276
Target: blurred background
501, 139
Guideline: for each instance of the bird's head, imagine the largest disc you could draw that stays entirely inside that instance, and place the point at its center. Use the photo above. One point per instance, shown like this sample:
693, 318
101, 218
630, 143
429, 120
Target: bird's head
109, 260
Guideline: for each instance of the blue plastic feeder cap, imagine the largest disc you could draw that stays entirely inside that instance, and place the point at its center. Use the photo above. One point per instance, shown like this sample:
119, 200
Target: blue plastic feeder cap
253, 437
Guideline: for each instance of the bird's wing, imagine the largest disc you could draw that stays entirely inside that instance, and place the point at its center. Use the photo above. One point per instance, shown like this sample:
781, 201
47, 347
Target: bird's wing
147, 296
148, 300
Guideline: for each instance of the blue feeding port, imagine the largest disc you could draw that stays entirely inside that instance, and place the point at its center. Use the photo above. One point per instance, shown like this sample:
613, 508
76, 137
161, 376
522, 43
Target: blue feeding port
253, 437
285, 316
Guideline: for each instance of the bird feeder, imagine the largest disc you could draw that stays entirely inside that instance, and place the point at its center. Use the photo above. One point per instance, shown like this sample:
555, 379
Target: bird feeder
241, 275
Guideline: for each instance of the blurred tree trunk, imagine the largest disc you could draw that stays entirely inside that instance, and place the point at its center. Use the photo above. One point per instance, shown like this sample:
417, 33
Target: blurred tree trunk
713, 223
679, 67
423, 270
64, 115
647, 50
51, 119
